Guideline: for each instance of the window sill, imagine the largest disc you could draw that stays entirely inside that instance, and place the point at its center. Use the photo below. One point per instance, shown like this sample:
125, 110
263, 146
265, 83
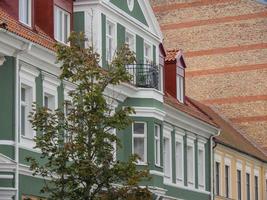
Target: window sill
161, 167
26, 25
141, 164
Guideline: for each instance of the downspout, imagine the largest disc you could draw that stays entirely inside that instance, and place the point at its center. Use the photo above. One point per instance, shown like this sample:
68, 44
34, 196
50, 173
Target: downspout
25, 49
212, 165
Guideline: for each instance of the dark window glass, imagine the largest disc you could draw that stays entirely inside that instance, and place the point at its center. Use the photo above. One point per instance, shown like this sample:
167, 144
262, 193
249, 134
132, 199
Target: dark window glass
256, 188
248, 185
227, 181
239, 191
217, 174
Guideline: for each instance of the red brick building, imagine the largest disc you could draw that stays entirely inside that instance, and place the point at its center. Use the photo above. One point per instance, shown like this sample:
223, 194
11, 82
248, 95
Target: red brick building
225, 48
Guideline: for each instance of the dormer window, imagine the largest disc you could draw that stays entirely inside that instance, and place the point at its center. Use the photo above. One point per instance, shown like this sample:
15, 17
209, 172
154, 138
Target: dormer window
180, 83
25, 12
62, 25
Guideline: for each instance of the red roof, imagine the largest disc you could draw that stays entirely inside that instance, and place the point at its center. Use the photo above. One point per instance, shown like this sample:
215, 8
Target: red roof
171, 55
189, 108
35, 35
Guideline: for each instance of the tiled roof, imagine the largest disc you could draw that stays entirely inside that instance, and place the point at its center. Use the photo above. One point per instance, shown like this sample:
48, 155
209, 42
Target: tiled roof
171, 55
232, 137
189, 108
37, 35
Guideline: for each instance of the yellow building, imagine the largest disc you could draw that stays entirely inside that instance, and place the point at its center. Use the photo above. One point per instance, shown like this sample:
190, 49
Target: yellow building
240, 167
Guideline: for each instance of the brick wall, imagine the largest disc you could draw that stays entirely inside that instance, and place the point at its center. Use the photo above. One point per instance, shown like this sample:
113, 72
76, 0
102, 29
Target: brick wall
225, 45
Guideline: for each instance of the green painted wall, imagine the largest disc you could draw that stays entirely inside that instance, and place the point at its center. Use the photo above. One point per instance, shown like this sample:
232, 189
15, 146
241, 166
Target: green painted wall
120, 35
7, 182
30, 186
103, 25
139, 49
8, 151
137, 12
7, 105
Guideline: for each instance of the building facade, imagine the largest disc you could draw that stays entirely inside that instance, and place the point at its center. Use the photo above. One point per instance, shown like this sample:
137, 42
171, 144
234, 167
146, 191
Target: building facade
225, 43
169, 133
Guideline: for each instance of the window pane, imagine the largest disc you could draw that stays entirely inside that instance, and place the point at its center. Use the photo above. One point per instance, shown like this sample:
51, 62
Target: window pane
256, 188
190, 163
201, 167
23, 120
166, 157
139, 128
248, 185
139, 148
46, 101
227, 181
179, 161
239, 185
217, 178
23, 94
65, 28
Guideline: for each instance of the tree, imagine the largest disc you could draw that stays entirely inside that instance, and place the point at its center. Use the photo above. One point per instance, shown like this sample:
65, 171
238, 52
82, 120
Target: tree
77, 146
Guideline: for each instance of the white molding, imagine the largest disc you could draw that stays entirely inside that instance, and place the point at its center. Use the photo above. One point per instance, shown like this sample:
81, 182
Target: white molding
7, 142
157, 173
6, 176
7, 193
187, 188
149, 112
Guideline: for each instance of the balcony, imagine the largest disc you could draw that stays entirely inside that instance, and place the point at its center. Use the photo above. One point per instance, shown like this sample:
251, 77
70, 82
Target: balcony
145, 75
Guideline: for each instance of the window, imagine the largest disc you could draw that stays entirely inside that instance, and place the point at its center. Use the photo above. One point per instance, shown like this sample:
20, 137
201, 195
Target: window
139, 141
110, 41
180, 84
190, 165
201, 168
25, 109
148, 54
217, 178
49, 101
62, 25
130, 41
256, 180
167, 157
248, 186
25, 12
239, 186
157, 144
179, 159
227, 181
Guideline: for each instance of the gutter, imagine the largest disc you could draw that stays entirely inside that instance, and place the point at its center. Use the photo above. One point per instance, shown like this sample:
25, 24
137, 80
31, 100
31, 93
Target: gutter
212, 164
26, 47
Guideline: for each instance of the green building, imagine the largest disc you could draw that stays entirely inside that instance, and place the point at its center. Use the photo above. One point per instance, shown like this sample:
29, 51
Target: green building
170, 133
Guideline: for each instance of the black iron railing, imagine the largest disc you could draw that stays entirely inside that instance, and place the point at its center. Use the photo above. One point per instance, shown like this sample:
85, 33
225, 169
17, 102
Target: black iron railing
144, 75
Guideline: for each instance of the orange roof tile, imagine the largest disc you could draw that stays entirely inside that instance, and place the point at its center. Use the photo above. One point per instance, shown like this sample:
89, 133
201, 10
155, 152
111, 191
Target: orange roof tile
231, 136
189, 108
171, 55
37, 35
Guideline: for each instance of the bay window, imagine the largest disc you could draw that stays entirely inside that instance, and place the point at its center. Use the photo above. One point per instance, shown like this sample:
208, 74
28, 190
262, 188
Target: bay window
148, 54
25, 12
139, 141
157, 144
61, 25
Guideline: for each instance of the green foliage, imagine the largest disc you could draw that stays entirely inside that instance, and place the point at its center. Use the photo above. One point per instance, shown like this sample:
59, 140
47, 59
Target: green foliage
78, 146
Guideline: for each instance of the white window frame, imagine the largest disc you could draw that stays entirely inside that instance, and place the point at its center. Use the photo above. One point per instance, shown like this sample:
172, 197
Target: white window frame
179, 157
113, 38
257, 174
218, 159
144, 136
23, 15
227, 162
180, 81
239, 166
50, 87
248, 171
60, 37
157, 144
148, 59
167, 134
190, 172
27, 76
202, 169
132, 48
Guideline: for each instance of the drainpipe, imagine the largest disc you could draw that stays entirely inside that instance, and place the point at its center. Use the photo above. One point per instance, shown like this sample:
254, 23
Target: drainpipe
211, 164
26, 48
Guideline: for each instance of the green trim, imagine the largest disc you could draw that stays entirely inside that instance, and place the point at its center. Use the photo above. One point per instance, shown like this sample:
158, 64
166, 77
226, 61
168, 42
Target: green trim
136, 13
139, 49
24, 153
120, 35
60, 92
9, 183
207, 166
79, 22
8, 151
103, 25
143, 102
7, 106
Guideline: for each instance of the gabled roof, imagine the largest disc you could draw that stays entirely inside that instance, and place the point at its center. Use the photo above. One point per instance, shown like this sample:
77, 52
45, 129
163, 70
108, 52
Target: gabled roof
35, 35
189, 108
231, 136
173, 55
